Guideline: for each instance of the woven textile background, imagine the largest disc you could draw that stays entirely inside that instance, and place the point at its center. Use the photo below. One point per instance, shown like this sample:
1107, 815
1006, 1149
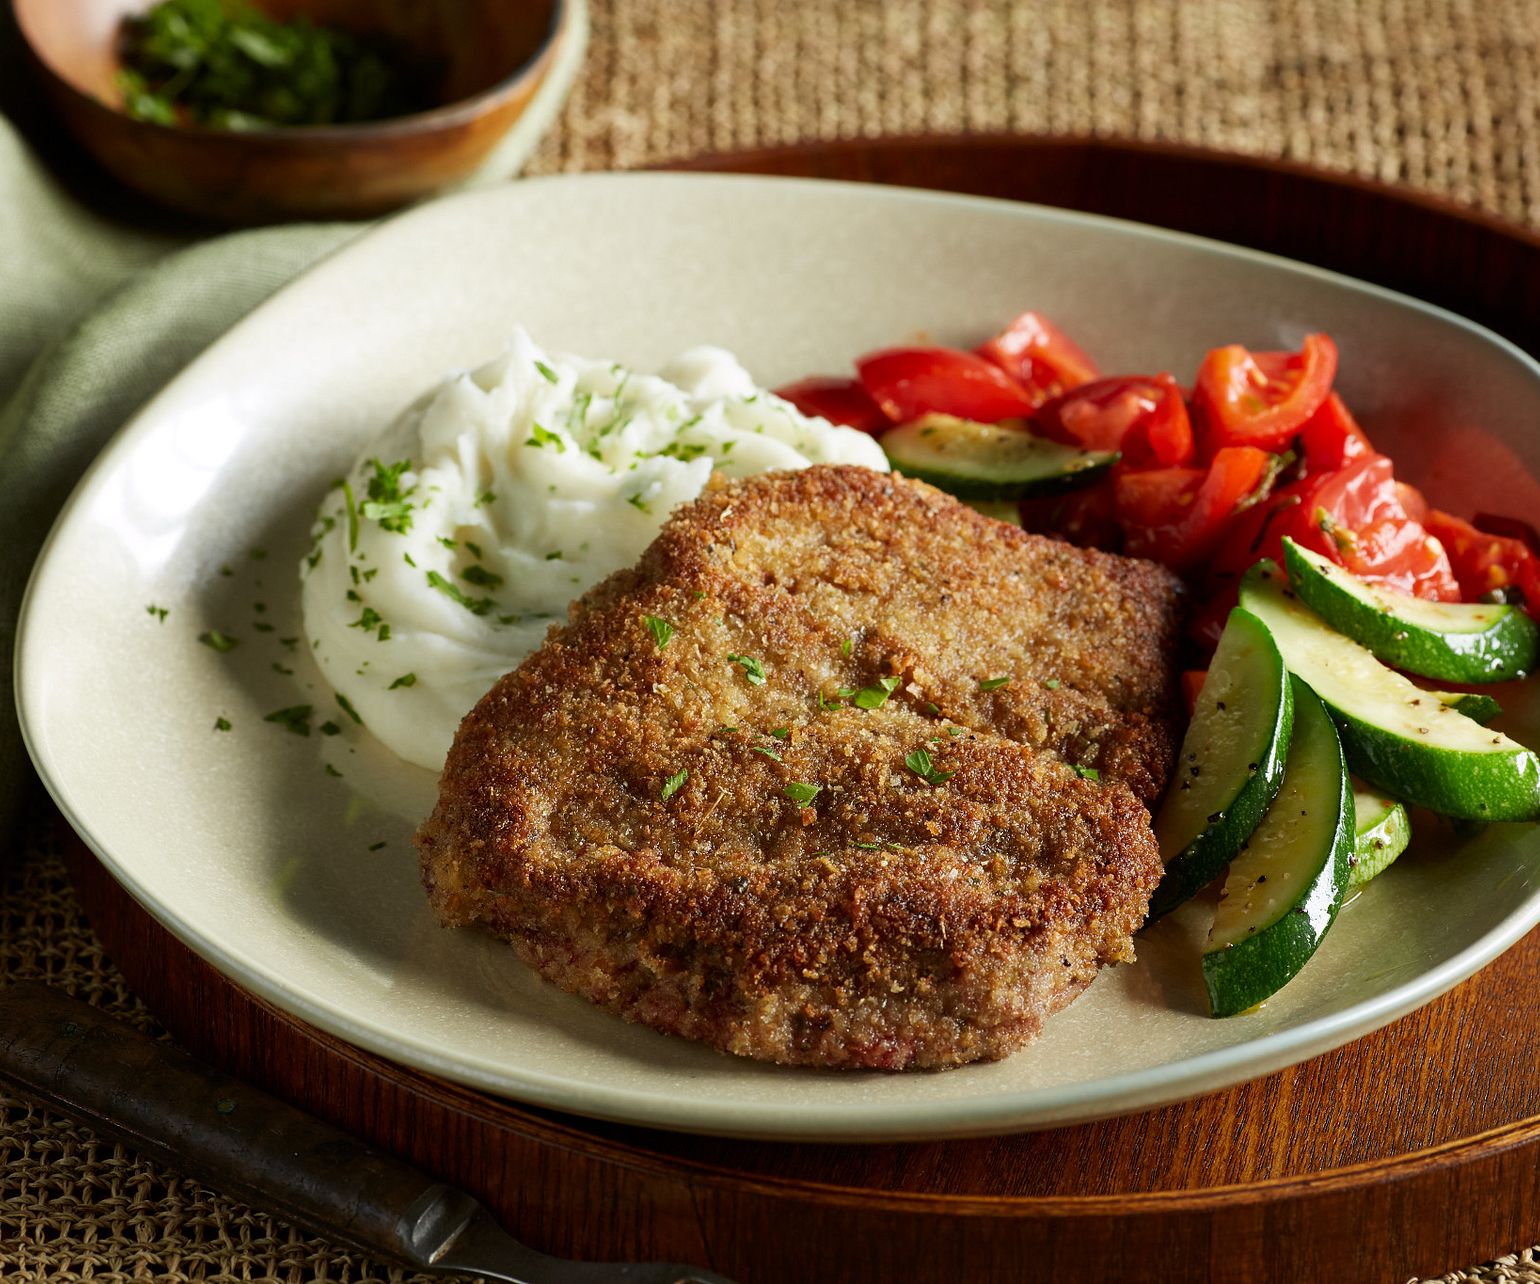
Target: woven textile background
1441, 94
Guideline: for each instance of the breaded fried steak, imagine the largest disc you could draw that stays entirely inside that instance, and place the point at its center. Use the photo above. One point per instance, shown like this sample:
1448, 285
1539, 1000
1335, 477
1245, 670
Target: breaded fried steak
841, 773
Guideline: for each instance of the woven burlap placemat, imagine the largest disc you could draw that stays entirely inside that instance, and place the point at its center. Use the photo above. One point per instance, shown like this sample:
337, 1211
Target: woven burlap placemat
1441, 94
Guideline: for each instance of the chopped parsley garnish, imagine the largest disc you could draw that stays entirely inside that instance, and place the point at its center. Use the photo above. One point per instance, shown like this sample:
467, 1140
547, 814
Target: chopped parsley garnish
618, 415
159, 612
1086, 773
233, 67
295, 718
448, 543
554, 555
577, 412
486, 497
541, 437
289, 643
868, 847
279, 668
918, 761
781, 733
329, 728
226, 571
660, 629
993, 684
753, 670
387, 503
352, 507
332, 771
673, 784
637, 502
374, 847
220, 642
954, 731
769, 751
874, 697
481, 577
546, 372
346, 706
847, 646
475, 605
724, 730
221, 724
475, 549
1053, 684
261, 626
256, 554
405, 680
407, 558
682, 450
802, 793
368, 621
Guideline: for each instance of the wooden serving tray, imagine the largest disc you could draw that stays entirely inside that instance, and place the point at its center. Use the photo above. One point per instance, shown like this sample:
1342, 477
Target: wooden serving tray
1410, 1152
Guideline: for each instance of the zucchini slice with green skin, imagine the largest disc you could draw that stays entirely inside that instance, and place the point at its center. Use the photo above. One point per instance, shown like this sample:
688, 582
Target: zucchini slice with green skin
1478, 708
1381, 832
1397, 736
1002, 510
990, 461
1454, 641
1287, 882
1230, 763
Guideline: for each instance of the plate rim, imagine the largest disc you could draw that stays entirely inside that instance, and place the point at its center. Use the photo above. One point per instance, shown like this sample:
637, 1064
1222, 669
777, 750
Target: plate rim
990, 1113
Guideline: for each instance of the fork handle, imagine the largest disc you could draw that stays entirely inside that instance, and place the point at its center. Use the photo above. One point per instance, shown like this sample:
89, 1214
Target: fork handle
159, 1101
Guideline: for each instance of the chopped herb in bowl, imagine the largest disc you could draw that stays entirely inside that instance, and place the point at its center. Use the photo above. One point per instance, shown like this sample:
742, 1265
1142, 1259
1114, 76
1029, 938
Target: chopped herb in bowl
224, 64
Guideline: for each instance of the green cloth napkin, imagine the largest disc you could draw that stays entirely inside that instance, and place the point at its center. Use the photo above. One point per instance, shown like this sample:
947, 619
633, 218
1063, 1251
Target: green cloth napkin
94, 318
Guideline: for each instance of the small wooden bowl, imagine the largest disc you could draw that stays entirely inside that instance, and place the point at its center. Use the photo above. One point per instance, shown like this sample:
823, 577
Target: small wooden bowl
495, 52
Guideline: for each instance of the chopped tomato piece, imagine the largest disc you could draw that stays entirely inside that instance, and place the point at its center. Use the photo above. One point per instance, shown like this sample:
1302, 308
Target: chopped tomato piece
1487, 564
1176, 515
840, 401
1192, 687
1411, 500
1038, 355
1332, 438
1086, 517
1144, 417
1206, 624
910, 382
1356, 517
1511, 527
1262, 399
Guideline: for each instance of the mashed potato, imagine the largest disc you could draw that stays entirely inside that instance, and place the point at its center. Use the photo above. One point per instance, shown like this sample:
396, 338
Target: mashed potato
443, 558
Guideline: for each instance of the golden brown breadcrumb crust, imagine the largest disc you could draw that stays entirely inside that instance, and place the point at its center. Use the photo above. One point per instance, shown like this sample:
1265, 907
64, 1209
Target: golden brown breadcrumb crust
892, 920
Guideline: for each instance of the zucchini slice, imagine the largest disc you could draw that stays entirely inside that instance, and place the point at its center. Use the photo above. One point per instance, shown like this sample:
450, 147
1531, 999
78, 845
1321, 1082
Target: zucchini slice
1002, 510
1457, 642
1477, 707
1288, 880
1230, 763
1397, 736
990, 461
1381, 832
